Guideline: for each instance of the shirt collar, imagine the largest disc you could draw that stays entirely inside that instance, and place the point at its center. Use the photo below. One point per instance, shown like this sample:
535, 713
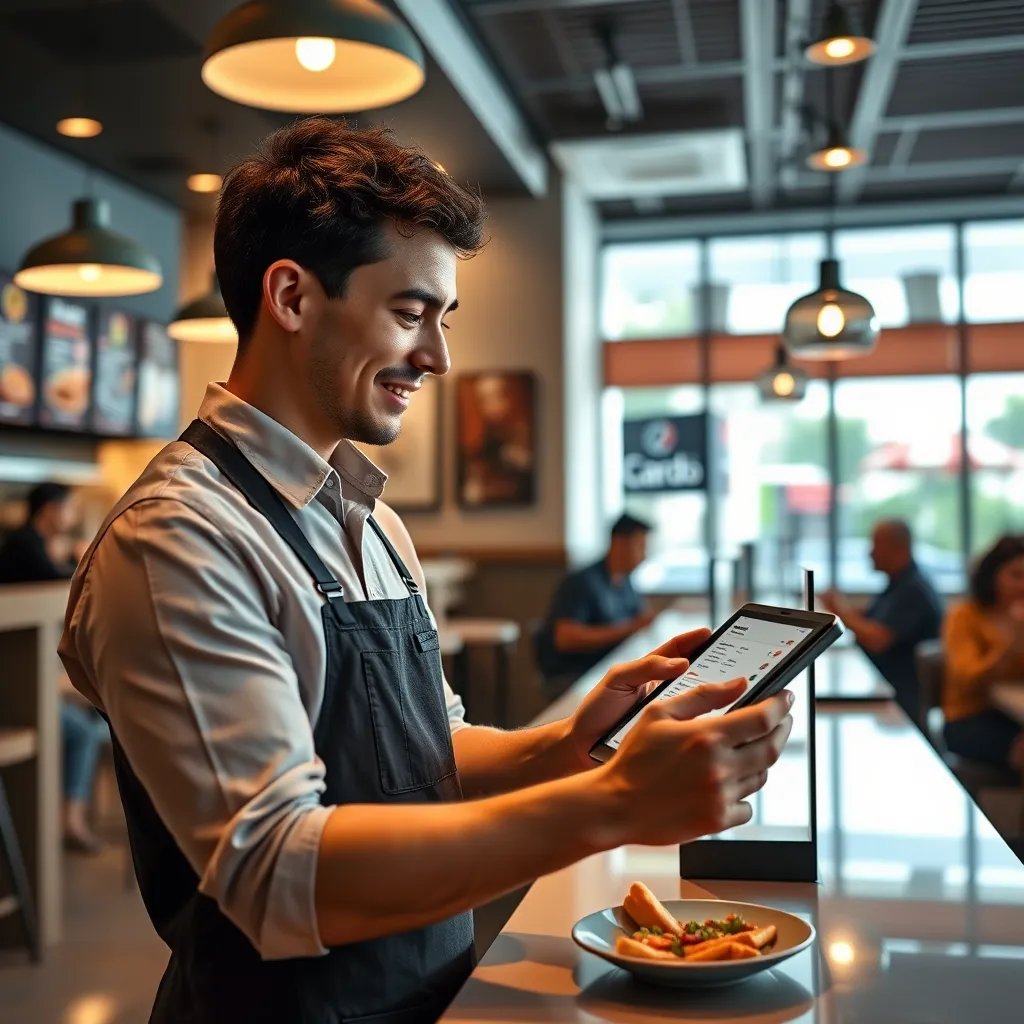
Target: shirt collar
287, 463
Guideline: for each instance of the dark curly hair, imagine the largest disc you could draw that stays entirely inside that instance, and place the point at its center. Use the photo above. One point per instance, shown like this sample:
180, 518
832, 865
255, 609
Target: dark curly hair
318, 192
986, 569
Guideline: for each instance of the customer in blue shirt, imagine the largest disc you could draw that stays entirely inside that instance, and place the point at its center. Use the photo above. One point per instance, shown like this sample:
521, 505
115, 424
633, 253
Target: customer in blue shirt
594, 609
897, 620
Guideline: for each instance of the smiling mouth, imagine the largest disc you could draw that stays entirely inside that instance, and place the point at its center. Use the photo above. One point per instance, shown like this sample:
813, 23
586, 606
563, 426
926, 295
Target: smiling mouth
396, 389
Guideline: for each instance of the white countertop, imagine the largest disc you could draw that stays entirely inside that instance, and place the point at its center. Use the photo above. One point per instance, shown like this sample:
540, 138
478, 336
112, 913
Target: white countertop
919, 909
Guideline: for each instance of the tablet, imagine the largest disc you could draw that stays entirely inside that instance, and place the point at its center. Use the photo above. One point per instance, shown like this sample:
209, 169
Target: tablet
768, 646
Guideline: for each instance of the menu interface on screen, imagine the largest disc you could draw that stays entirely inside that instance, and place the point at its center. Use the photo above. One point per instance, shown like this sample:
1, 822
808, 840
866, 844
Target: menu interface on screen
749, 647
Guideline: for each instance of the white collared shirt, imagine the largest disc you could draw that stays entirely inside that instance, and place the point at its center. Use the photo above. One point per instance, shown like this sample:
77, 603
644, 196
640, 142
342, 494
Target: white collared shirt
197, 630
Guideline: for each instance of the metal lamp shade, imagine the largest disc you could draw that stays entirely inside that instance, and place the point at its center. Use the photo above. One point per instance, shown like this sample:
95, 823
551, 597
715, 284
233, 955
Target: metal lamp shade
204, 319
837, 154
89, 260
782, 382
847, 328
841, 40
251, 56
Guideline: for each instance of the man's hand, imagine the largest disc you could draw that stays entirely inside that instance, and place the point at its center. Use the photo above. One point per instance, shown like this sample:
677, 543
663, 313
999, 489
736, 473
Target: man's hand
678, 776
622, 687
832, 601
643, 620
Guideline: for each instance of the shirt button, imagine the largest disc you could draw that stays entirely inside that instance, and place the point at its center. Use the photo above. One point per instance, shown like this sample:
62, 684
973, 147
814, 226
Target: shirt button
329, 482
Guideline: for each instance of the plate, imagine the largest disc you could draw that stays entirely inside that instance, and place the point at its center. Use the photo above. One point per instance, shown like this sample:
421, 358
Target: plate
596, 933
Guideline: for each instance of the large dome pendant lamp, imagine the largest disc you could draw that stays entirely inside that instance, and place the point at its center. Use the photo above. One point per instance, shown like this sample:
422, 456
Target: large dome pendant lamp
840, 40
204, 319
313, 56
89, 259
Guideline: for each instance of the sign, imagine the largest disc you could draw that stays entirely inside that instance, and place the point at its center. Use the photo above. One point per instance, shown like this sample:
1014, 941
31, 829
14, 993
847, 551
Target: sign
665, 453
114, 383
19, 343
158, 382
66, 377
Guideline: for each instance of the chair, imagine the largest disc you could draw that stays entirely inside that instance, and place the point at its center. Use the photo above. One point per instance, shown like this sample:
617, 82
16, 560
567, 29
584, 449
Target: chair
500, 636
17, 746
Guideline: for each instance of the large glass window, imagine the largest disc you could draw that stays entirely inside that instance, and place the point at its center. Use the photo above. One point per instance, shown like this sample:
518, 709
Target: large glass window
899, 456
995, 445
651, 290
992, 289
754, 280
776, 491
907, 273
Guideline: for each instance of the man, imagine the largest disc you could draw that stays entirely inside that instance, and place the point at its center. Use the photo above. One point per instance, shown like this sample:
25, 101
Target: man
897, 620
292, 777
594, 608
36, 552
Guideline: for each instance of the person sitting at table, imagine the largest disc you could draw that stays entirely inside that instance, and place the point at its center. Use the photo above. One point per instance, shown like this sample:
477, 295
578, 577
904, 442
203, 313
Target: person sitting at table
983, 640
594, 609
38, 551
897, 620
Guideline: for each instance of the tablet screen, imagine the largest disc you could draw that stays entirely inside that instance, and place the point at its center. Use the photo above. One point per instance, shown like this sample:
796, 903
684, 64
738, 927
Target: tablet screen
749, 647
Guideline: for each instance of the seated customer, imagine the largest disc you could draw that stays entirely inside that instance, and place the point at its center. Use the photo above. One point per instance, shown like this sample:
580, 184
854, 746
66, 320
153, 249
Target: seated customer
983, 638
897, 620
35, 553
594, 609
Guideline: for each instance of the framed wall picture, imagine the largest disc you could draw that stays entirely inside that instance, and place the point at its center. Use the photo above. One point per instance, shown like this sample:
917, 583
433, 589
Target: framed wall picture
116, 373
19, 353
65, 377
158, 384
496, 448
413, 461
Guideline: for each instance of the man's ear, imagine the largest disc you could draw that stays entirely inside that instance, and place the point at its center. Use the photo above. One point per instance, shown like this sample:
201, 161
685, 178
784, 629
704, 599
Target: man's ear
284, 287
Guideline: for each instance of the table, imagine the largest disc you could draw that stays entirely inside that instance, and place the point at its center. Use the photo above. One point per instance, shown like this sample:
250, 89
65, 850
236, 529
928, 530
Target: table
918, 910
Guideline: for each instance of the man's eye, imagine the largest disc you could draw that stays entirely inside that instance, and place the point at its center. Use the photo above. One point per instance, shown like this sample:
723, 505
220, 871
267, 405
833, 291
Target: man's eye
447, 327
412, 318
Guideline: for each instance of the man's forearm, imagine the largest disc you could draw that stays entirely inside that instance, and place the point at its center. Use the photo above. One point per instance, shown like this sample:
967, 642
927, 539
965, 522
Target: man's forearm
872, 636
385, 869
578, 637
492, 761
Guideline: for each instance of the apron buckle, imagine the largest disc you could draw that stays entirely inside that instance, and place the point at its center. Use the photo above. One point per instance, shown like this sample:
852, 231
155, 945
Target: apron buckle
331, 589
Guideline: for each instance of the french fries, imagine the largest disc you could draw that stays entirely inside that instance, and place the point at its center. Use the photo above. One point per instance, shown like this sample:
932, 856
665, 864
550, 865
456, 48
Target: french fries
659, 936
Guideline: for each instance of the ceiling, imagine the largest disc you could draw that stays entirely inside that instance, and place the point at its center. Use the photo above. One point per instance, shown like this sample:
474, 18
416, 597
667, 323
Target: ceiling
940, 107
136, 63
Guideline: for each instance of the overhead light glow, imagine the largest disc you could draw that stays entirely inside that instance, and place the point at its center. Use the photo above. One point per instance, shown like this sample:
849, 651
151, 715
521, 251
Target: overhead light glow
839, 49
831, 320
838, 157
315, 53
204, 182
79, 127
783, 384
90, 271
842, 952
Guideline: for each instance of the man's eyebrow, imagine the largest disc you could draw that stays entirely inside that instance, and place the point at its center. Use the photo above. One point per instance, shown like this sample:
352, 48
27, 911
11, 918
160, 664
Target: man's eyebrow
427, 298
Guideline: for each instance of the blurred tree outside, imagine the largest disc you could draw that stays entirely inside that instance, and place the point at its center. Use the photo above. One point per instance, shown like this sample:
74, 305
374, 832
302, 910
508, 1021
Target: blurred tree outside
1008, 426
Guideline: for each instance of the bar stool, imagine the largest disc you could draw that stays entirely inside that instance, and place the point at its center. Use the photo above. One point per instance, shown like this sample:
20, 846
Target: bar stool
502, 637
17, 746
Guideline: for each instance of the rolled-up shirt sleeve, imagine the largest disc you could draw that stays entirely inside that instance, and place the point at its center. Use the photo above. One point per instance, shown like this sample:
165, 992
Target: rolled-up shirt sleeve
178, 633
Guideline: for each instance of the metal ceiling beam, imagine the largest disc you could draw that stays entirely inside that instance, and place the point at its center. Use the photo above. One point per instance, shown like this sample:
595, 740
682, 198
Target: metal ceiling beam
453, 47
517, 6
935, 170
937, 120
918, 211
903, 148
664, 75
960, 47
757, 35
684, 32
891, 30
798, 26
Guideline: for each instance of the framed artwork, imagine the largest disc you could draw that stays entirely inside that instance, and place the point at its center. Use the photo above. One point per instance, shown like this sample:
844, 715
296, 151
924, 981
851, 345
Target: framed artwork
496, 446
413, 460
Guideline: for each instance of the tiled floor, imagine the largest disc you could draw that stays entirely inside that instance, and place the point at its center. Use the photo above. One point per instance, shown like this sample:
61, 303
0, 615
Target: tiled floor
106, 969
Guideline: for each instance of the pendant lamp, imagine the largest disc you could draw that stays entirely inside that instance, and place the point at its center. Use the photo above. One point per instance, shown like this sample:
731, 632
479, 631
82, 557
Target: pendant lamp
782, 382
837, 154
840, 40
89, 259
830, 322
204, 319
313, 56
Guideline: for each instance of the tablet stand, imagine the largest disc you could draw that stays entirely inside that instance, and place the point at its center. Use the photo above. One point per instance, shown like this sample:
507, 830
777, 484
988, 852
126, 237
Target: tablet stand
762, 851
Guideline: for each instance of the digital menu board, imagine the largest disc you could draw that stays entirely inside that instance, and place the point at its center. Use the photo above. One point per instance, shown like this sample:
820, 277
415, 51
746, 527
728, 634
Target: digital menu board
19, 352
113, 395
158, 382
65, 378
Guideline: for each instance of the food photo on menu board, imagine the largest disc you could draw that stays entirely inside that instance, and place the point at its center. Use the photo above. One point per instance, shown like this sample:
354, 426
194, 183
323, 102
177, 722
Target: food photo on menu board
19, 351
113, 400
158, 382
66, 374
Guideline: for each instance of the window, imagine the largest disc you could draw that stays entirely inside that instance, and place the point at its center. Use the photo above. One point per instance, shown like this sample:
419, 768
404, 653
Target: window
651, 290
754, 280
899, 456
992, 290
908, 273
995, 446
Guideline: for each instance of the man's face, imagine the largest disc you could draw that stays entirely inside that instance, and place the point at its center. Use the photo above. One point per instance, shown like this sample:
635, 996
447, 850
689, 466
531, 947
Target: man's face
371, 349
56, 518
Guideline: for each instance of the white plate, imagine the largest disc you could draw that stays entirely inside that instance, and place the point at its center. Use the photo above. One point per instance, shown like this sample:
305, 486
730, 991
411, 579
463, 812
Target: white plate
596, 933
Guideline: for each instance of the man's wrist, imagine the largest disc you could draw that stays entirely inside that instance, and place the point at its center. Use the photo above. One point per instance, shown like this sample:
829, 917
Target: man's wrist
604, 820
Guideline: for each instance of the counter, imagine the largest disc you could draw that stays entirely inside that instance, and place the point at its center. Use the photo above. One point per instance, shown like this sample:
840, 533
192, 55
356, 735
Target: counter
919, 908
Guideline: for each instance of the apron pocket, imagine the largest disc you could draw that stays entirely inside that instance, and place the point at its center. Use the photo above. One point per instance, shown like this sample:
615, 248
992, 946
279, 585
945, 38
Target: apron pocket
410, 720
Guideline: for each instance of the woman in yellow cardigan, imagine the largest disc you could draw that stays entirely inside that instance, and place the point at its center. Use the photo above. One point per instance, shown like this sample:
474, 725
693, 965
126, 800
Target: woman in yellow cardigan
983, 638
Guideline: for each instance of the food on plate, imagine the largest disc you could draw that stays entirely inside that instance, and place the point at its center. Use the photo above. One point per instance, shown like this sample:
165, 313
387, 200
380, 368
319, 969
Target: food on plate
16, 385
659, 936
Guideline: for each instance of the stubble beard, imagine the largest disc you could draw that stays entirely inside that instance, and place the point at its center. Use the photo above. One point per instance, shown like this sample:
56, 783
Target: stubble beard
352, 424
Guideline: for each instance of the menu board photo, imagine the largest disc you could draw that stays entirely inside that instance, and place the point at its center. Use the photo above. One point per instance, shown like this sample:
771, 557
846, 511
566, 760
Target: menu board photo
113, 397
66, 374
158, 382
19, 350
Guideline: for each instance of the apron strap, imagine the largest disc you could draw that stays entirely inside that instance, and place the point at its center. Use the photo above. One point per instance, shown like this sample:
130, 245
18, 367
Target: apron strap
407, 578
237, 468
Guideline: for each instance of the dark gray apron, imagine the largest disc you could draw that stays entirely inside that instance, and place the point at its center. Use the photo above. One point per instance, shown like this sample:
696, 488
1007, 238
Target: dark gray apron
383, 736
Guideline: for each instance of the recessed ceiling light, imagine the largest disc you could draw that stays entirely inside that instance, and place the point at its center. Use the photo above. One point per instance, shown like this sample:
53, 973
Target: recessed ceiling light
79, 127
204, 182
